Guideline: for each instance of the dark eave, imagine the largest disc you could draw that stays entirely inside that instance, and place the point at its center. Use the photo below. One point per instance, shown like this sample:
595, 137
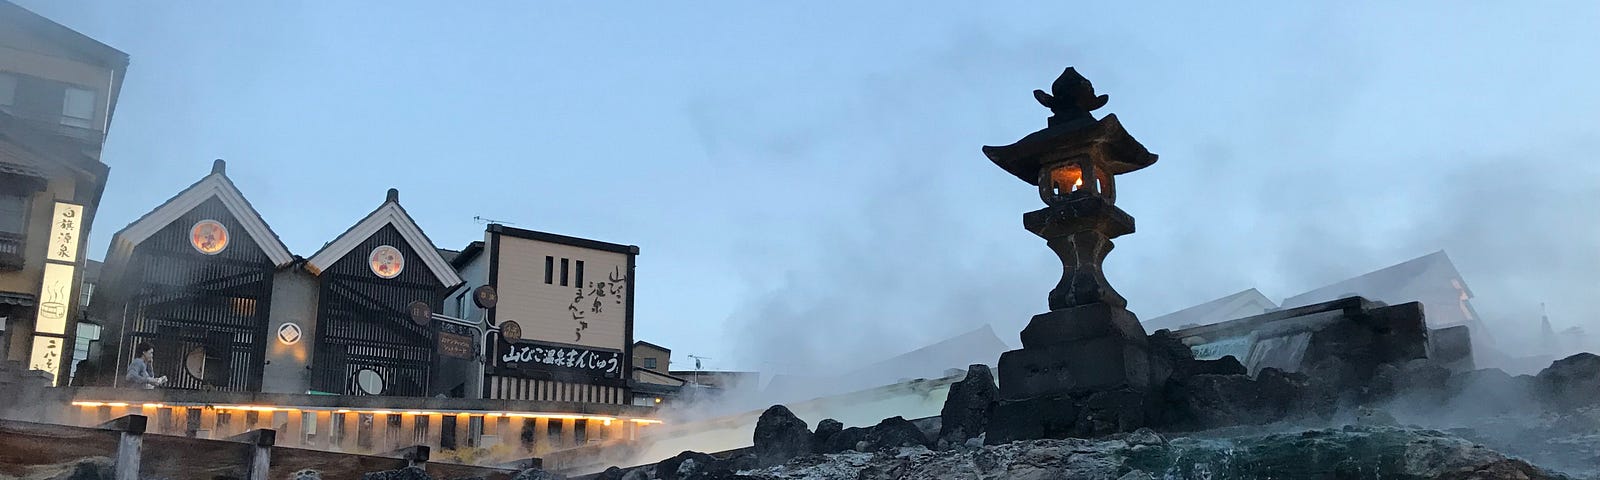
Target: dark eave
564, 240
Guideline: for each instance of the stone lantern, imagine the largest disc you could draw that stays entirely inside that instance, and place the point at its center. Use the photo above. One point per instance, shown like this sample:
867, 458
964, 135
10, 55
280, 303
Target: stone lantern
1085, 367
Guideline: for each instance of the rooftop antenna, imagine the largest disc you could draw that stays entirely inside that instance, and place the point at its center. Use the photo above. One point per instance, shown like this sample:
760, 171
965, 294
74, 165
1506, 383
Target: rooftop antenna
697, 360
480, 220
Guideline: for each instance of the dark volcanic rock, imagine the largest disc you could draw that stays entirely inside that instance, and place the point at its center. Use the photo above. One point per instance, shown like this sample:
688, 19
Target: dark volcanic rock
408, 473
1571, 382
847, 439
780, 436
691, 465
1211, 401
826, 429
539, 474
895, 432
968, 406
613, 473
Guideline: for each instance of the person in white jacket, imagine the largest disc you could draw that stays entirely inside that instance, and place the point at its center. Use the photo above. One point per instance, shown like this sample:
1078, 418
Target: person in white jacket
140, 375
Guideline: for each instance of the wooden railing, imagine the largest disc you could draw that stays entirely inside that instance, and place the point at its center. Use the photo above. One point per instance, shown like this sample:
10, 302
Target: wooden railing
123, 447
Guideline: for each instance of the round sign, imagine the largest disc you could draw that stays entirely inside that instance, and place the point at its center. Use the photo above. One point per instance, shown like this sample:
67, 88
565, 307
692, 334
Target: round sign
208, 237
485, 297
289, 334
511, 331
386, 261
421, 313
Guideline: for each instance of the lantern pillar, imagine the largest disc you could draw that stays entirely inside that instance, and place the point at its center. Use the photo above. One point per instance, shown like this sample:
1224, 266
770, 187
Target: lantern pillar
1084, 367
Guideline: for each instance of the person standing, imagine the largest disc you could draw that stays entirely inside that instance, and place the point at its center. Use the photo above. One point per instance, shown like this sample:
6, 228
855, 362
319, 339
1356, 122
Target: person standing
140, 375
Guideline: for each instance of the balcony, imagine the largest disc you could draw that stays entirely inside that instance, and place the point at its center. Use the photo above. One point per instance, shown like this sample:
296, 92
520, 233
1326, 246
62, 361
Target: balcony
11, 251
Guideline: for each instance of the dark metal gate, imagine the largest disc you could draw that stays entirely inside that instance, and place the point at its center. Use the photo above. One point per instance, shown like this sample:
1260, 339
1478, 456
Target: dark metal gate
206, 315
367, 343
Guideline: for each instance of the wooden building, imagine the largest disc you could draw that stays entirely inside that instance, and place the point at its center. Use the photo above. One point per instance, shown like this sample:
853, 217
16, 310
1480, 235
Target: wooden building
563, 326
194, 278
378, 285
58, 90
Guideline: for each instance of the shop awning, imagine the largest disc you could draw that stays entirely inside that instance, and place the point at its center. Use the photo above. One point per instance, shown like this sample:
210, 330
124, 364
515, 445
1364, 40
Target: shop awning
17, 299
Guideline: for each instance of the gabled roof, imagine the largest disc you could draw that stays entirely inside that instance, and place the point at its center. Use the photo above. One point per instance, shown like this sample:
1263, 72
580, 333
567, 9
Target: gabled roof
390, 213
1384, 283
82, 46
1238, 305
652, 345
216, 185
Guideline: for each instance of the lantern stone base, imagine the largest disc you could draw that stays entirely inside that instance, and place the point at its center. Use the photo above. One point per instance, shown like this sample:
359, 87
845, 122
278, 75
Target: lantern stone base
1082, 371
1071, 415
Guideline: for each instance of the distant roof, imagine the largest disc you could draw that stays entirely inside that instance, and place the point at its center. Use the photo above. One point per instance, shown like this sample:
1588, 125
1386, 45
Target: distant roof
91, 270
466, 254
979, 346
1238, 305
1383, 284
448, 255
652, 345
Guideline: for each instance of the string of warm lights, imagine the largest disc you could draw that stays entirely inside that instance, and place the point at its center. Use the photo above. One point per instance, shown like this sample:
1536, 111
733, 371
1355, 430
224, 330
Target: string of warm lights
264, 408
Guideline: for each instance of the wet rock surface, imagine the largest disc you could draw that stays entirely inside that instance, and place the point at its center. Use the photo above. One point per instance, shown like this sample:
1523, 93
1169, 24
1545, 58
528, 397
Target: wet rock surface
408, 473
780, 436
1331, 453
968, 406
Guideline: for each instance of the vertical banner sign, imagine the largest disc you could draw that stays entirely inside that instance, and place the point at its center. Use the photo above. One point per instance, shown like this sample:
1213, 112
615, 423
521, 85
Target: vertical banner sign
46, 356
57, 290
55, 300
64, 229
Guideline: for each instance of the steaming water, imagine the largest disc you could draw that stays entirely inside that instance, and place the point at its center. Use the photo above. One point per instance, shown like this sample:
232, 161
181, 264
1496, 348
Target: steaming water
1283, 353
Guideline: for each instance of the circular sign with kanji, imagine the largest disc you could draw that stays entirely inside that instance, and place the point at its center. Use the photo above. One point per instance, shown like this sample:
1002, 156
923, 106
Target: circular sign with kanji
289, 333
208, 237
511, 331
386, 261
421, 313
485, 297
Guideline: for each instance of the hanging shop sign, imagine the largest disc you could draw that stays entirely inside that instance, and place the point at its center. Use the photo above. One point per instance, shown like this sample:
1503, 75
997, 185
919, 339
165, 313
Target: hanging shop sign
527, 355
485, 297
420, 312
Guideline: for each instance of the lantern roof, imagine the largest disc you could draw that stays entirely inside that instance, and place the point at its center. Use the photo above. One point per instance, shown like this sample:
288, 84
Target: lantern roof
1104, 141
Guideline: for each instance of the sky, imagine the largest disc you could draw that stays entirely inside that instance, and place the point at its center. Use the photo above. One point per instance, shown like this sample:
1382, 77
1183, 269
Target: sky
805, 180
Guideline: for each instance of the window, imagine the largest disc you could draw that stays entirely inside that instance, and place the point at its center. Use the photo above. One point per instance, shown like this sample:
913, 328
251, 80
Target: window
77, 108
88, 334
650, 363
461, 304
563, 272
13, 214
88, 294
549, 269
580, 273
8, 89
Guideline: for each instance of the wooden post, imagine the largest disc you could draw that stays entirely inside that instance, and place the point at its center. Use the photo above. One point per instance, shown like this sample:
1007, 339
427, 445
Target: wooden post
463, 431
513, 434
208, 423
350, 426
294, 428
323, 429
132, 439
541, 435
568, 432
380, 433
436, 431
260, 441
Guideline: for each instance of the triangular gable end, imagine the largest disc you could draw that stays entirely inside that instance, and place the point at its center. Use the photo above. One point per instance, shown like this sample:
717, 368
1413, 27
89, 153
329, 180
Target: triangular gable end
214, 185
390, 213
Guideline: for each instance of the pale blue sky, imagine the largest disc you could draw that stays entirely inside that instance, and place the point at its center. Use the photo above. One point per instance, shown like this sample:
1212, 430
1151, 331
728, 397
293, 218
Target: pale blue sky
805, 180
